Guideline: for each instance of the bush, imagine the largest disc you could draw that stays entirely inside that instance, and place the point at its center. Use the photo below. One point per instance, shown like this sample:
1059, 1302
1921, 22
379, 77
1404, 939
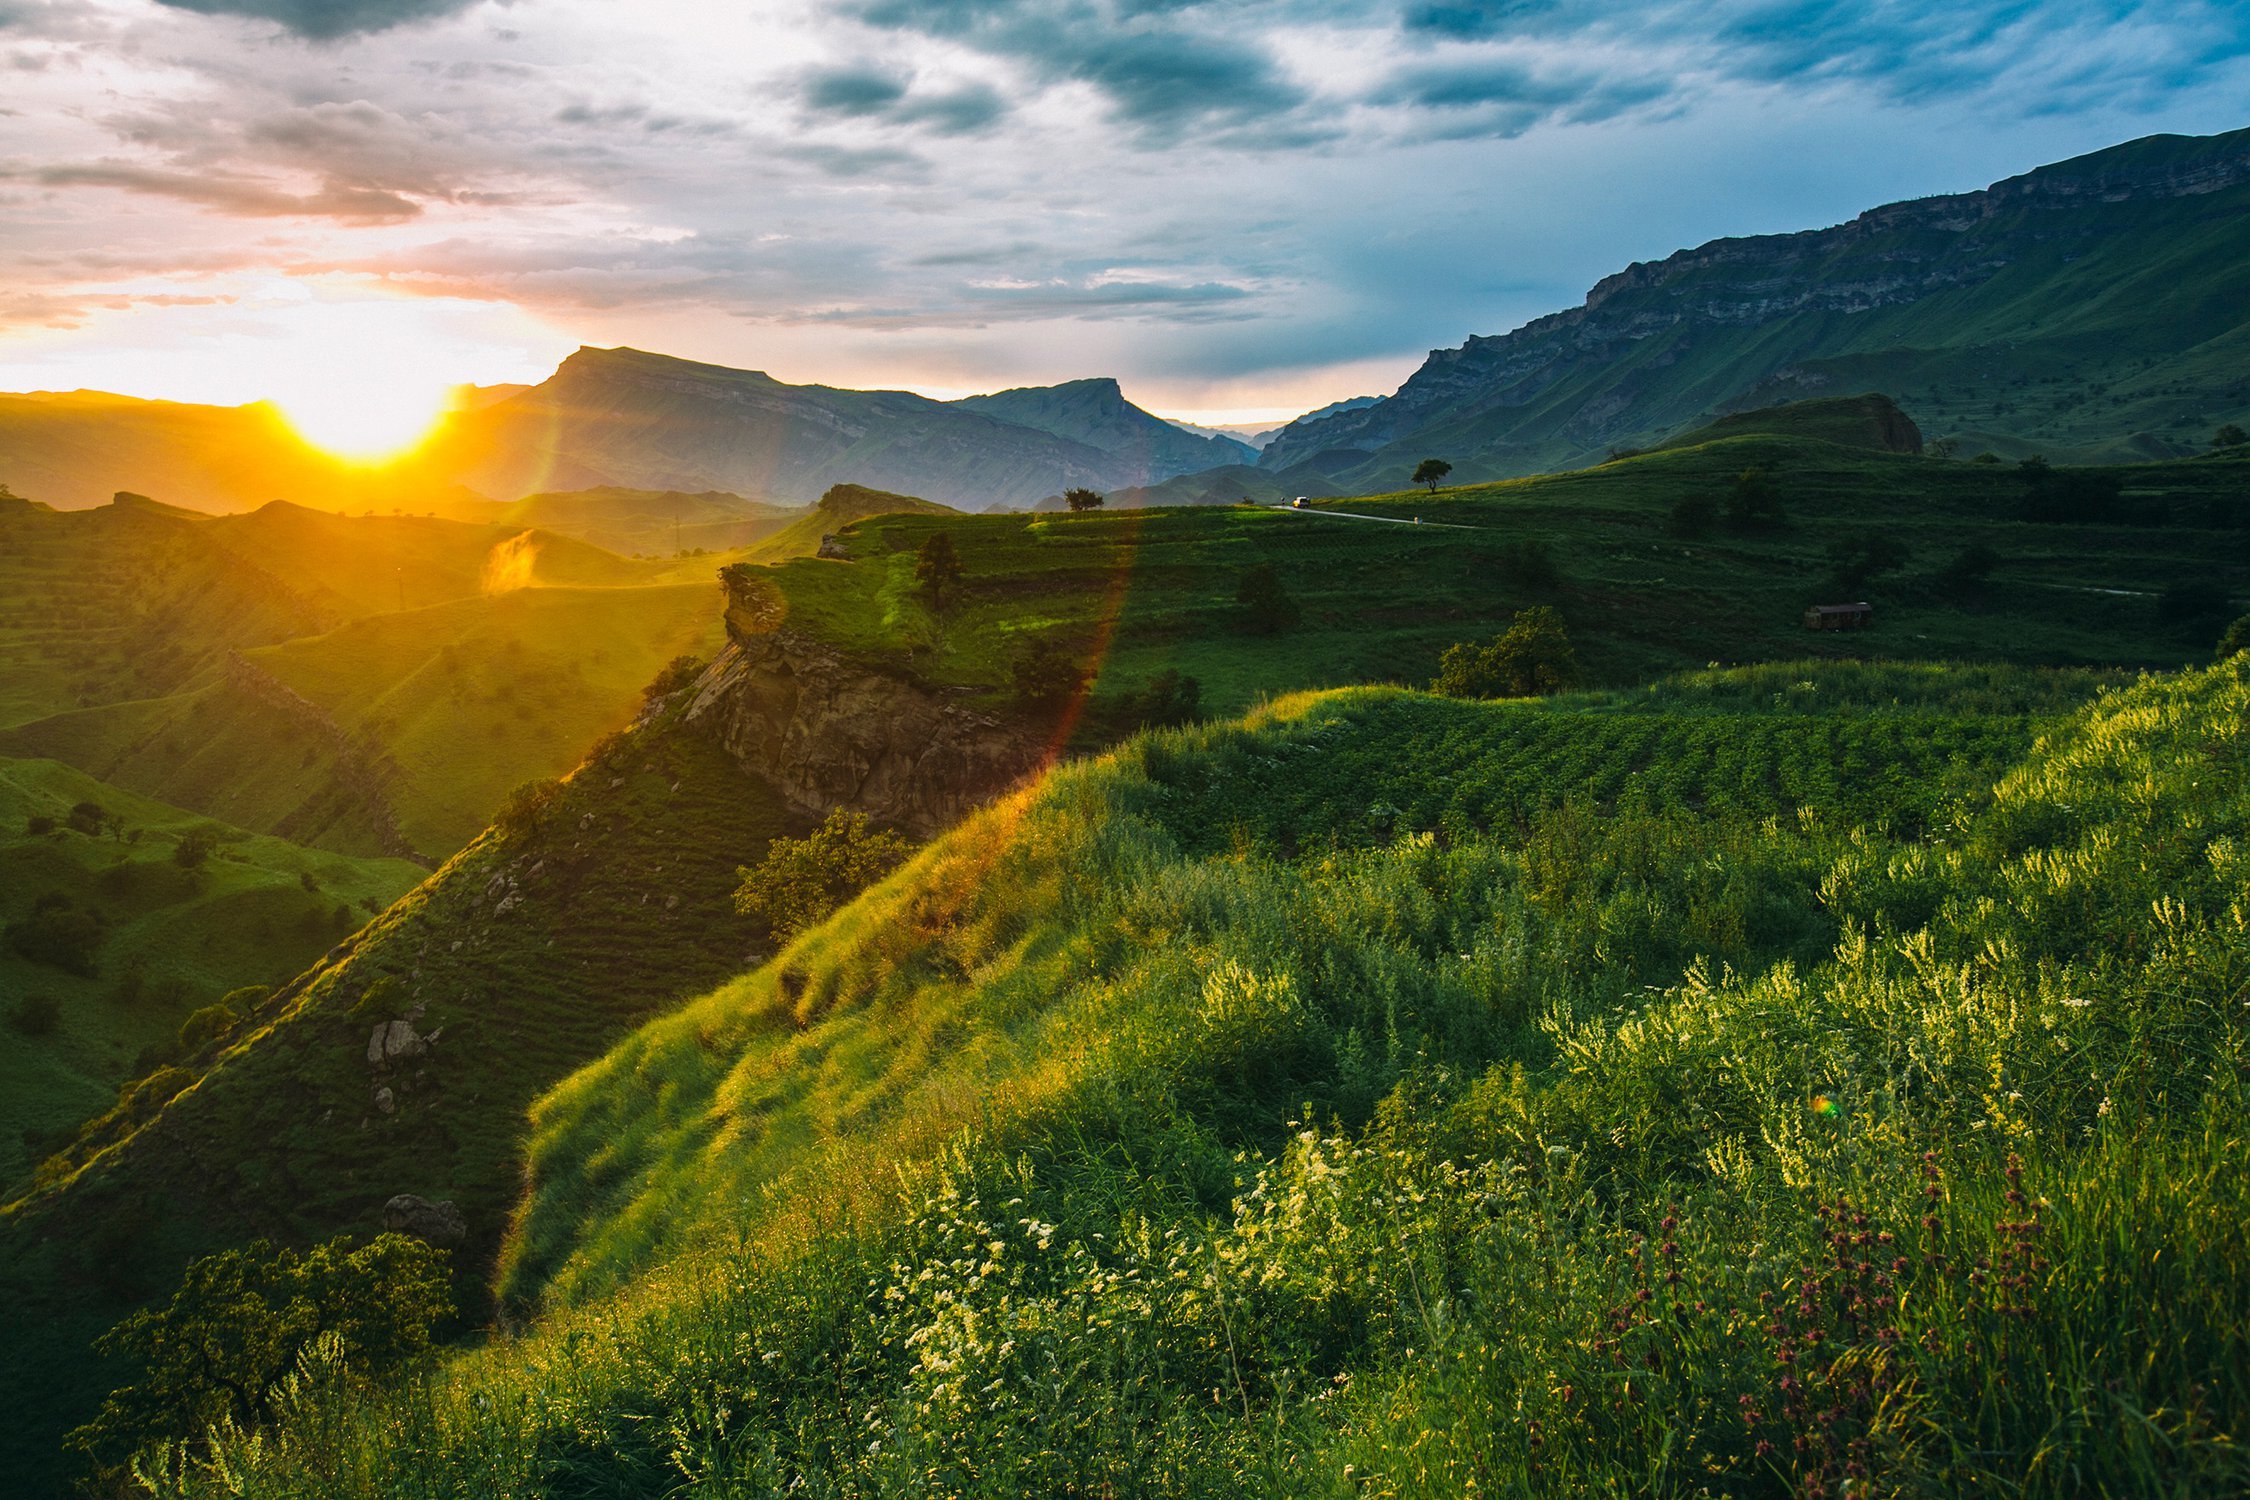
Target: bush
36, 1015
38, 825
1533, 656
526, 807
1267, 608
677, 674
206, 1025
59, 935
802, 880
1169, 698
2236, 638
89, 818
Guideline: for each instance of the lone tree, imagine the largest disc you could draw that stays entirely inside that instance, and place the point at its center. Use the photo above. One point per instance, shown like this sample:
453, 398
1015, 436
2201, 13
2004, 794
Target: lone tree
1267, 607
2229, 436
1431, 472
937, 569
1084, 499
1532, 656
802, 880
1045, 675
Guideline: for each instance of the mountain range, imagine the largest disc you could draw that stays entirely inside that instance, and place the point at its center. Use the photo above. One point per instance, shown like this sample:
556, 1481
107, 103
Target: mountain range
2093, 310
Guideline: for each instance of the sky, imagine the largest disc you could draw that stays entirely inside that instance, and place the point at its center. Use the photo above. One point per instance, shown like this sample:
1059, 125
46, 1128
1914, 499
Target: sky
1240, 209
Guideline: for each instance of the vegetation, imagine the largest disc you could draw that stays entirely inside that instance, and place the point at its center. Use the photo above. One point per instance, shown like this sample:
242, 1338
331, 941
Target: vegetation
802, 880
1431, 472
1084, 499
1474, 1113
1532, 657
937, 570
222, 1354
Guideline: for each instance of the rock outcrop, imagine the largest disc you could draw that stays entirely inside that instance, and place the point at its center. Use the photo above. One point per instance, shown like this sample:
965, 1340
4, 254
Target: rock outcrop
441, 1223
830, 732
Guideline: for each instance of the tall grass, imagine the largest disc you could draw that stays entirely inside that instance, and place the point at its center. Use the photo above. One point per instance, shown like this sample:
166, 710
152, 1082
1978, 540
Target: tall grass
1602, 1149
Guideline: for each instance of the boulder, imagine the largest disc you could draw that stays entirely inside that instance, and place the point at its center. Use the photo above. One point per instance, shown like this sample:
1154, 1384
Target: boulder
438, 1223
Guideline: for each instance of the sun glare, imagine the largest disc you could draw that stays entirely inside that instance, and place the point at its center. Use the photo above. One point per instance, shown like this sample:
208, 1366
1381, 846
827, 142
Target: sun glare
365, 422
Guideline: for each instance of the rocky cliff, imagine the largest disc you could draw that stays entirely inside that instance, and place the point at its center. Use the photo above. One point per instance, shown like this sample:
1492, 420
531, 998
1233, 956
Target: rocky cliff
829, 732
2118, 268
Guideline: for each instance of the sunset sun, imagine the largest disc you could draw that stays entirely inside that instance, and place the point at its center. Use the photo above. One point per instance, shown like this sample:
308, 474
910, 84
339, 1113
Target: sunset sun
365, 422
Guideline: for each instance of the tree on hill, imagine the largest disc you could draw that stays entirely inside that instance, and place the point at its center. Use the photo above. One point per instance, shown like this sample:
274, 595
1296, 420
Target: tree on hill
1084, 499
1045, 675
802, 880
937, 570
1532, 656
194, 848
1170, 697
1754, 504
1431, 472
1267, 607
2229, 436
244, 1321
56, 933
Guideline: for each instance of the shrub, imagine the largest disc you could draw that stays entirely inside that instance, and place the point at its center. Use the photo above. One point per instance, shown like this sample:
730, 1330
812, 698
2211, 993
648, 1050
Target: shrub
1045, 675
676, 674
206, 1025
527, 806
38, 825
89, 818
1168, 698
2236, 638
194, 848
937, 570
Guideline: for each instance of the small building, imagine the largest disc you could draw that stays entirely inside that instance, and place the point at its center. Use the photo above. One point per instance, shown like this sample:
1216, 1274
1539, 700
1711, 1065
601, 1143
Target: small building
1839, 616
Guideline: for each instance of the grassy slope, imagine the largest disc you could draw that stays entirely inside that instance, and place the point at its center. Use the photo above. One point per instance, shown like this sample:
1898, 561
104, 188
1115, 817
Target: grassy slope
1098, 1149
622, 904
246, 918
1138, 592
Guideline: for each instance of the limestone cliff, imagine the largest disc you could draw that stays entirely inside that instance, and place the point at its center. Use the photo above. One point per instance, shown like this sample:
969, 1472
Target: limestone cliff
829, 732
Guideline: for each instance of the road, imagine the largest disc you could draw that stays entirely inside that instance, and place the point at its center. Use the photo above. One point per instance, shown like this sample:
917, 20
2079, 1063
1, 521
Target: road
1353, 515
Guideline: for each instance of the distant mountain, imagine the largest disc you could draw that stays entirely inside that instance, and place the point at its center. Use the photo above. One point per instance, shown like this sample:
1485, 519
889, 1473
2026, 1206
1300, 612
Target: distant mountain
1142, 449
75, 449
2096, 309
633, 420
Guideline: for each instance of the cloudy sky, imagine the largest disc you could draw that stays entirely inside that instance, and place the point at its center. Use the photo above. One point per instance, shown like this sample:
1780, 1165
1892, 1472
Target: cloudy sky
1239, 208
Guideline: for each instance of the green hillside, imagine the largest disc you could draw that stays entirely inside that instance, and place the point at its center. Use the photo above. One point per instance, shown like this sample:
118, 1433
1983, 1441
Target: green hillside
162, 941
1136, 593
658, 523
1388, 1095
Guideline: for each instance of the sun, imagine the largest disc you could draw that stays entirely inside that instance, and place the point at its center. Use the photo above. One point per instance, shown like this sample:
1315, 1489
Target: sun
365, 420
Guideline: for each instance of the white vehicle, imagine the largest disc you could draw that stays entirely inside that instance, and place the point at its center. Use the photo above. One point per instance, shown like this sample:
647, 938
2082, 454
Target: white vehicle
1300, 502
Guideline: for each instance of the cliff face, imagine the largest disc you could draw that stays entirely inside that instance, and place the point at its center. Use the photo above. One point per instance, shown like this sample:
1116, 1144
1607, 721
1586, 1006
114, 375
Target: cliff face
828, 732
1940, 290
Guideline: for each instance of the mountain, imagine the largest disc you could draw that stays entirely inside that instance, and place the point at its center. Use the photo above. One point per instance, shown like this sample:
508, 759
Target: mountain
1143, 449
627, 419
2098, 309
73, 450
1871, 421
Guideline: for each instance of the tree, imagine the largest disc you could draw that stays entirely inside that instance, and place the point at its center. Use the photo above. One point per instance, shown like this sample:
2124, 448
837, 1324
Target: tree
244, 1320
1084, 499
194, 848
89, 818
1267, 606
802, 880
2229, 436
1755, 502
937, 570
1532, 656
1045, 675
1944, 447
2236, 638
1431, 472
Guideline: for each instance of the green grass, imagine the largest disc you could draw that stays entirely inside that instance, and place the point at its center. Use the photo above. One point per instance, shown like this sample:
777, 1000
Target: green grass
1586, 1151
174, 939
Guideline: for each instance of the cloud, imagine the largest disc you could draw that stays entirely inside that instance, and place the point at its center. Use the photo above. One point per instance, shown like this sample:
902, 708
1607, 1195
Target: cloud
241, 196
852, 91
328, 20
